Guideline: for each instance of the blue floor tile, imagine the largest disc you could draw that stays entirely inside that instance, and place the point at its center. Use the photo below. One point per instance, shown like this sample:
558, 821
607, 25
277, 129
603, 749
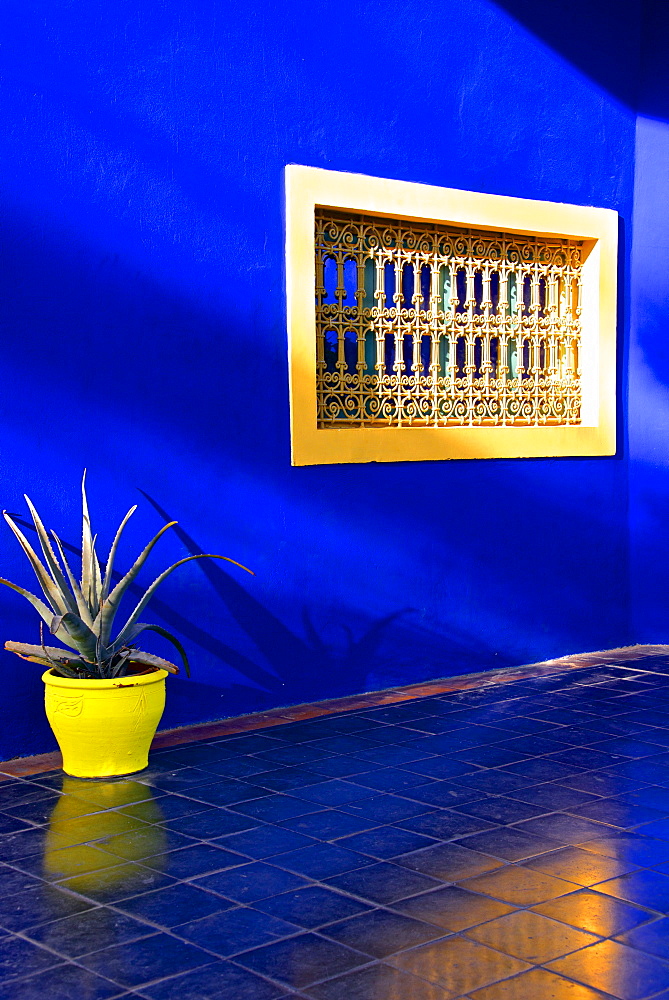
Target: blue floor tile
145, 960
287, 778
613, 812
163, 808
390, 779
340, 767
329, 824
383, 883
387, 808
235, 930
322, 860
88, 931
64, 982
200, 859
225, 793
266, 841
302, 960
331, 793
552, 796
442, 793
274, 808
21, 958
391, 756
645, 888
445, 824
12, 880
385, 842
501, 810
37, 905
382, 933
311, 907
449, 862
652, 938
251, 882
177, 904
211, 823
438, 767
219, 981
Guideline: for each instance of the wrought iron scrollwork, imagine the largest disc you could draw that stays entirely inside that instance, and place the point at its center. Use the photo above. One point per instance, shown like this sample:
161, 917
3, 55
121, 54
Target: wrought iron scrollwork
427, 325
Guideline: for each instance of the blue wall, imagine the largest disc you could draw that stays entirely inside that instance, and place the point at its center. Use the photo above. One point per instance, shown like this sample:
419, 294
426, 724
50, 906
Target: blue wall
649, 347
142, 146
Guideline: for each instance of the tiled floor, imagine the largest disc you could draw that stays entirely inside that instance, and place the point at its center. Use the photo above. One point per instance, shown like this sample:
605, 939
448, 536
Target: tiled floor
509, 842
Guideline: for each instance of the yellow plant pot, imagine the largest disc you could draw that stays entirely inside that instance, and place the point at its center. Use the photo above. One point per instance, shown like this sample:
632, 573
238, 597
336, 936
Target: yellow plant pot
104, 728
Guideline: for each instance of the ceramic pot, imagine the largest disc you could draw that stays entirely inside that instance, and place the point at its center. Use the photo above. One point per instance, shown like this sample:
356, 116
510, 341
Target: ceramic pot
104, 728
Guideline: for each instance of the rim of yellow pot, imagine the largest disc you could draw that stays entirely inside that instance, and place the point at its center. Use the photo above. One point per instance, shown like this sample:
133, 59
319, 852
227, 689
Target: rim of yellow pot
133, 680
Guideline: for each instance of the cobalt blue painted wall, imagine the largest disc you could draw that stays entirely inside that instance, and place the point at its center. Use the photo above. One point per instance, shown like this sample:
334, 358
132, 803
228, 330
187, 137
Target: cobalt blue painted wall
142, 146
649, 351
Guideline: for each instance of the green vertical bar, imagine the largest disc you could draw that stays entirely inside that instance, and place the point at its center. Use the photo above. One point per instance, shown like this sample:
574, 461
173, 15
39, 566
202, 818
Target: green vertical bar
512, 293
443, 355
513, 358
370, 353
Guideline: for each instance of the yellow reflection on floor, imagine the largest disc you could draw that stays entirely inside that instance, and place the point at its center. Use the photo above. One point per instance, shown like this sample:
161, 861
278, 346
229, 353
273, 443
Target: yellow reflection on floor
84, 815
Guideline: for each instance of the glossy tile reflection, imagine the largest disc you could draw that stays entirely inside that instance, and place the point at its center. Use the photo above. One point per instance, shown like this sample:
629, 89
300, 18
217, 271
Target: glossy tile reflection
509, 842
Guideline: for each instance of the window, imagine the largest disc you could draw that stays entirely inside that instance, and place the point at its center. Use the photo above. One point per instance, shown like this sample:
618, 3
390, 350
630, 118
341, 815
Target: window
427, 323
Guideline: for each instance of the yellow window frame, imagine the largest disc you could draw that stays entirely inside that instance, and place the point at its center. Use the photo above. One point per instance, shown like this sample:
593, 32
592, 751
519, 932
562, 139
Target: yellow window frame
309, 187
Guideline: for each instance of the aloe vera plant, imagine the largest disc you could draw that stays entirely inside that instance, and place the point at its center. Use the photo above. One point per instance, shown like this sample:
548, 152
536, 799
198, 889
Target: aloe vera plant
81, 613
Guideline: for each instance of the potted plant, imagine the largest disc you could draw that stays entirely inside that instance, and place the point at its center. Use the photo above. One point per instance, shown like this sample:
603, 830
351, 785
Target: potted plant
104, 697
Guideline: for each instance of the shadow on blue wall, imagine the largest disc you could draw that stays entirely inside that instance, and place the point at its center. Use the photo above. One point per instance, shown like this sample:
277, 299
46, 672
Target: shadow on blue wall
601, 38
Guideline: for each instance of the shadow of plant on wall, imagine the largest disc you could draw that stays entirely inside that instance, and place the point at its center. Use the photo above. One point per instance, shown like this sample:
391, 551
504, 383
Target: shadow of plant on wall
297, 665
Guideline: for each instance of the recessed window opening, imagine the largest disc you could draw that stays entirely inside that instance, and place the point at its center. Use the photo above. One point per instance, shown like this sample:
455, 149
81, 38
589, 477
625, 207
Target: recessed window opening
350, 288
425, 283
389, 285
494, 292
424, 324
527, 295
478, 292
461, 289
330, 279
350, 351
426, 353
460, 357
330, 350
389, 353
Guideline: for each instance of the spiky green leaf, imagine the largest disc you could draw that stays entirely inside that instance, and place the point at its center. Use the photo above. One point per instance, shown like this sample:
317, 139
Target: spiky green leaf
104, 620
81, 636
43, 610
50, 558
145, 627
82, 607
51, 591
90, 567
112, 554
118, 665
150, 660
43, 654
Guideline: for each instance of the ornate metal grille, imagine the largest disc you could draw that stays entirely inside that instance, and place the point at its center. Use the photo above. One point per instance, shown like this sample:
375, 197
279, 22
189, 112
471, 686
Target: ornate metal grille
427, 325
